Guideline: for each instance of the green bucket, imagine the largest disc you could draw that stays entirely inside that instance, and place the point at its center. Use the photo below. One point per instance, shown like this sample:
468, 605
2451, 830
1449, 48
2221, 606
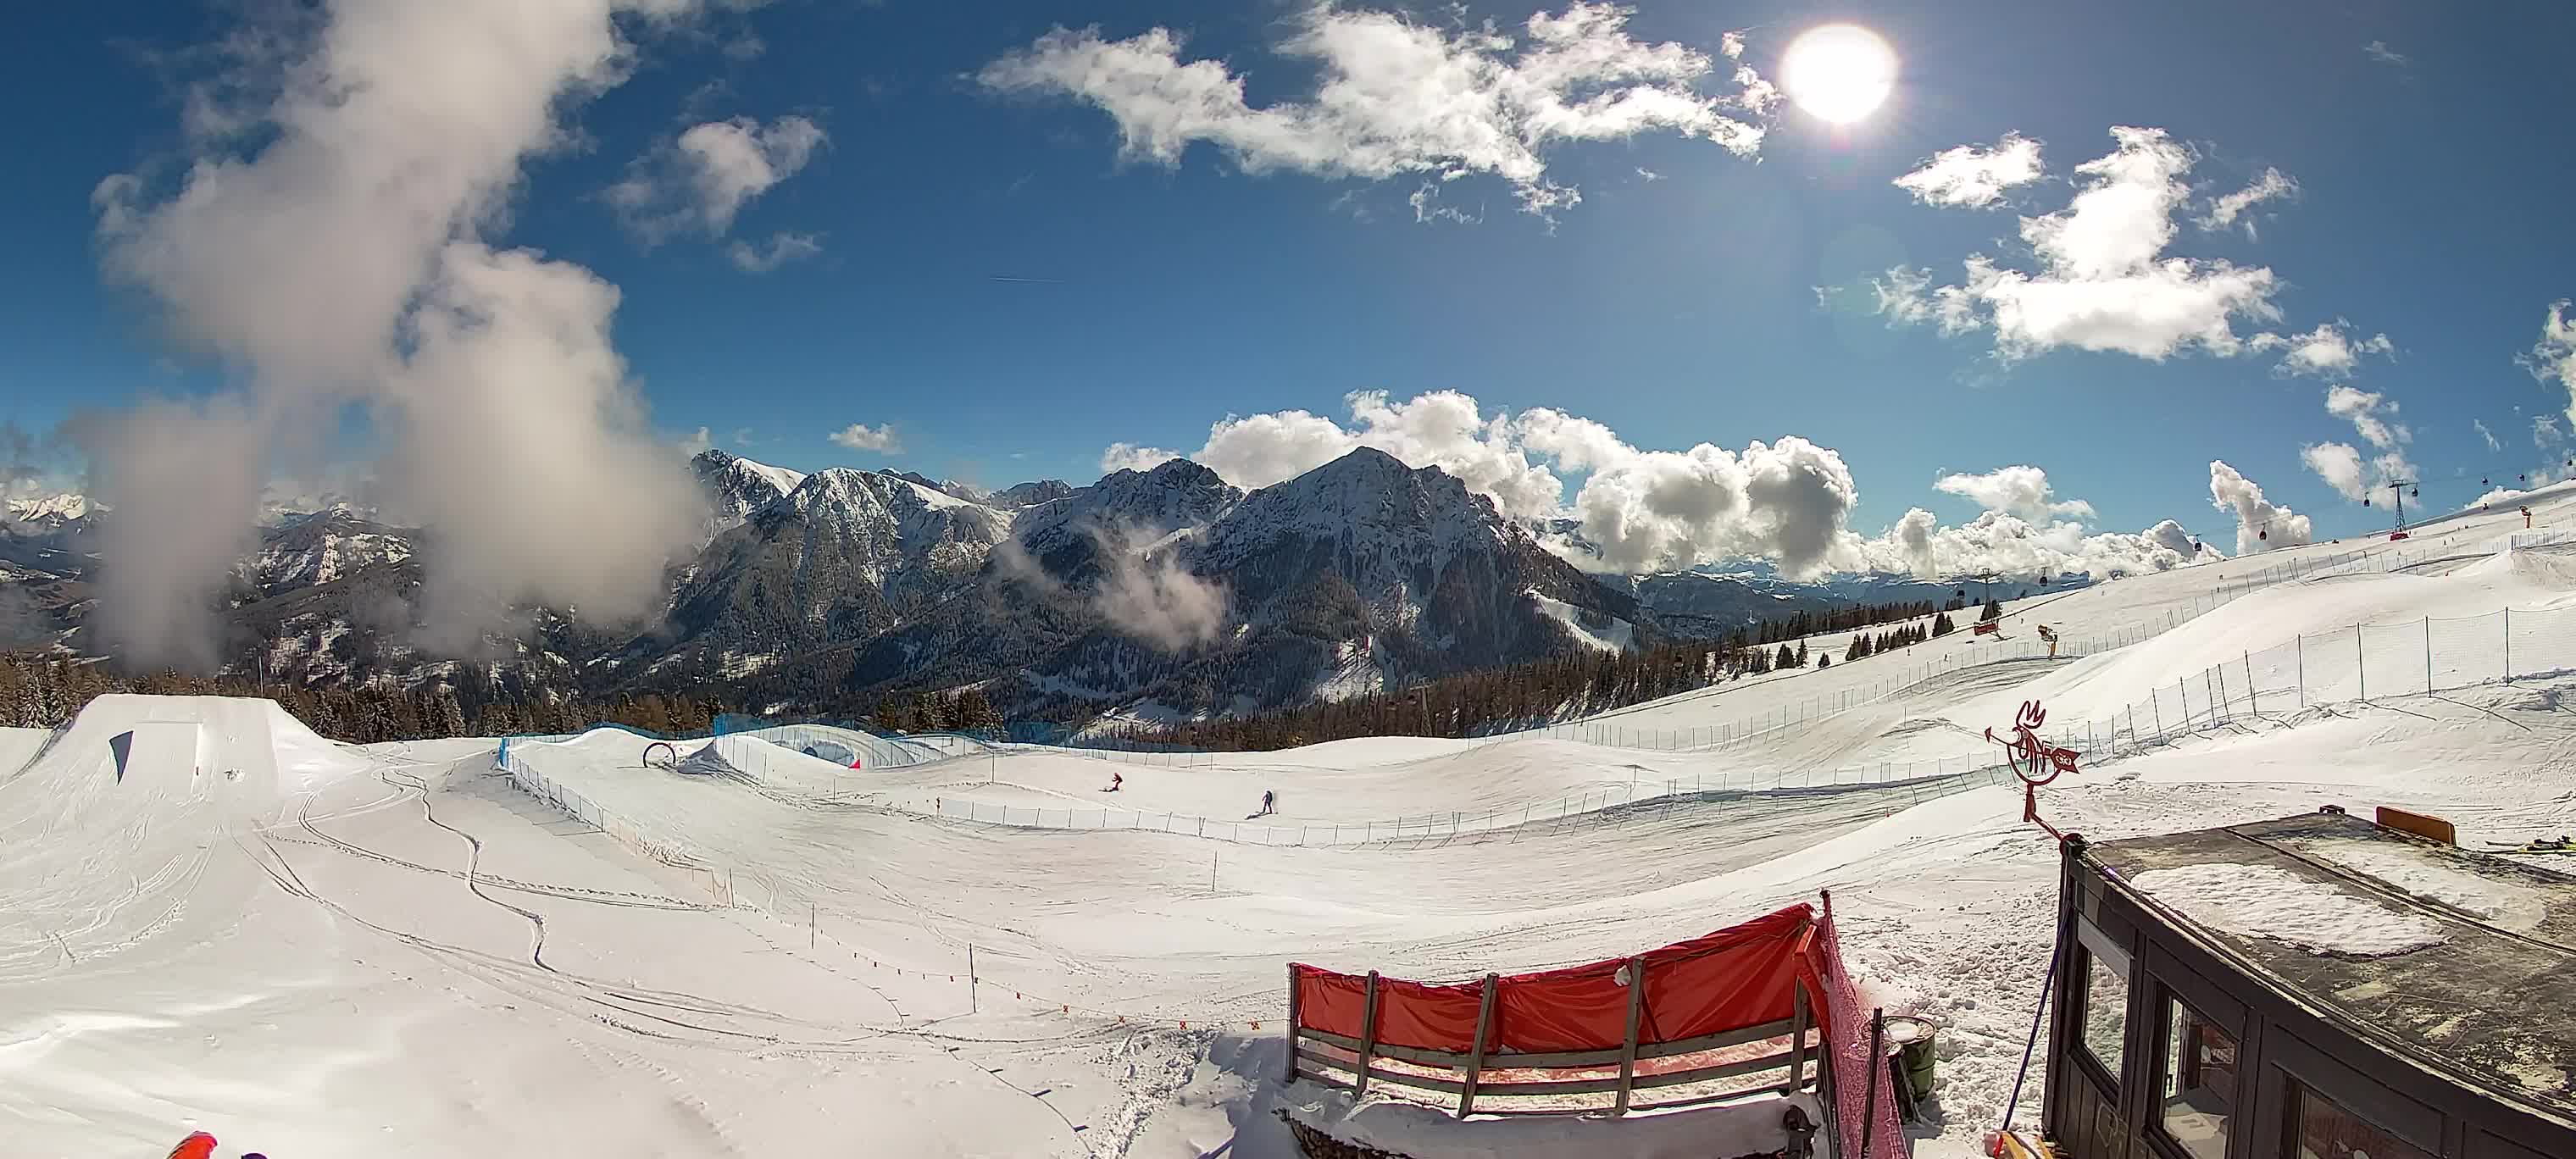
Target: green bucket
1910, 1039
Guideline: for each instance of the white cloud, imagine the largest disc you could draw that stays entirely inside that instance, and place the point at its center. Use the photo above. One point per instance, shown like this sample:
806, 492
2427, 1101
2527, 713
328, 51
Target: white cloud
1152, 596
2330, 350
697, 440
2339, 465
699, 181
782, 249
2103, 280
2378, 50
1649, 174
2260, 525
1130, 457
862, 437
2545, 431
1788, 500
1427, 208
2269, 185
2022, 491
1395, 97
1646, 510
1908, 297
2486, 434
2553, 358
2009, 545
1974, 177
342, 252
2364, 410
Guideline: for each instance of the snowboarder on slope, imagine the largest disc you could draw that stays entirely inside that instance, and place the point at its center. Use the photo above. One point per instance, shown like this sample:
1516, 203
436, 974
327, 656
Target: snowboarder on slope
1269, 802
1115, 780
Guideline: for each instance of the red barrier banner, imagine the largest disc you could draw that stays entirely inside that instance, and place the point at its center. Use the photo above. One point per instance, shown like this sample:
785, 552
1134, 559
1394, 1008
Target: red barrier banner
1739, 977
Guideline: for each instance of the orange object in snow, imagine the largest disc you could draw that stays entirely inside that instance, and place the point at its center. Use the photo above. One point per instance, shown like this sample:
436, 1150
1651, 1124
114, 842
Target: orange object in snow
198, 1145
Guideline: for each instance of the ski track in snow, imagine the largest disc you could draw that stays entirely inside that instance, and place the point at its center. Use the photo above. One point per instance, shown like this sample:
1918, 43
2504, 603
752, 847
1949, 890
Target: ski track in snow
405, 948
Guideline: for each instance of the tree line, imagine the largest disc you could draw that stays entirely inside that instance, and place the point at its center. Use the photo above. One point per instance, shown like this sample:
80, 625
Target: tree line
44, 692
1554, 688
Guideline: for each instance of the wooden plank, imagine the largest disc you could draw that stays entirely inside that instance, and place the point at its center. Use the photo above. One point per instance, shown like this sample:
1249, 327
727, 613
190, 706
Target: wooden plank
1797, 1038
1476, 1058
1491, 1087
1628, 1050
1368, 1033
1292, 1022
1507, 1060
2419, 824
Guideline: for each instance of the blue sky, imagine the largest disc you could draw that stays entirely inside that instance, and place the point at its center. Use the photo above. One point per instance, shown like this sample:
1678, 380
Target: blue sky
1150, 300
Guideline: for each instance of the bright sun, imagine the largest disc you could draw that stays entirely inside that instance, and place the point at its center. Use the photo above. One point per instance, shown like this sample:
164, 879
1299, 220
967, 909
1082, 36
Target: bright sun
1839, 72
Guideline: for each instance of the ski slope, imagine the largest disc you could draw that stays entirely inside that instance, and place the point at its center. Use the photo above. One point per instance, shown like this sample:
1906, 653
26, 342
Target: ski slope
316, 949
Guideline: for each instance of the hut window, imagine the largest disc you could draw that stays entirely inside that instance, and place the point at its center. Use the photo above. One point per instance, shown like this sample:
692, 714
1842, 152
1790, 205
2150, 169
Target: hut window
2320, 1128
2106, 1013
2197, 1094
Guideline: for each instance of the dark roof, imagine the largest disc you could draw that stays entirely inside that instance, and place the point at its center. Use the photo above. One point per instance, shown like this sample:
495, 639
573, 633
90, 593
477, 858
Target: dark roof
2492, 1004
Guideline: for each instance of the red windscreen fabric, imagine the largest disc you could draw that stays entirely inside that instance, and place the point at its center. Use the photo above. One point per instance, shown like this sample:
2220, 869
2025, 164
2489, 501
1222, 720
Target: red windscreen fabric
1330, 1002
1429, 1017
1738, 977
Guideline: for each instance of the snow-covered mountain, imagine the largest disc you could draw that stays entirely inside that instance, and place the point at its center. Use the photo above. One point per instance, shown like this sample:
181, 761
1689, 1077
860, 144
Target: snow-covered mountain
846, 555
1062, 536
46, 511
830, 591
321, 546
736, 487
1030, 494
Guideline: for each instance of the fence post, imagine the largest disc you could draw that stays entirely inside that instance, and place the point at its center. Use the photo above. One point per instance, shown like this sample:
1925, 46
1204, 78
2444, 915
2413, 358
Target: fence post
1797, 1038
2301, 644
2251, 704
1476, 1056
1292, 1025
1628, 1050
2363, 658
2428, 654
2508, 645
1368, 1037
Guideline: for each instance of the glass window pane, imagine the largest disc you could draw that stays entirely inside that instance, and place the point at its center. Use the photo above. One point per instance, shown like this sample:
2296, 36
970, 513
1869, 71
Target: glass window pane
2198, 1091
2106, 1013
2324, 1130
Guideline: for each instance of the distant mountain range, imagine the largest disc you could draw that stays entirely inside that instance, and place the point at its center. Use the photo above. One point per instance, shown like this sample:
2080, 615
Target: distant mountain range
1160, 591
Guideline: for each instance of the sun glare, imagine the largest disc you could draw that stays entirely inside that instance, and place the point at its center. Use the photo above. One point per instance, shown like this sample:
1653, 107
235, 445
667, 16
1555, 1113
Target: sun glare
1839, 72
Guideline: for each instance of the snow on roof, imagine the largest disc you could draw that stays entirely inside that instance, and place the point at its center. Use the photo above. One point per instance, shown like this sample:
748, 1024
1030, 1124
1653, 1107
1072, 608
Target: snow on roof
2259, 901
2462, 961
2416, 870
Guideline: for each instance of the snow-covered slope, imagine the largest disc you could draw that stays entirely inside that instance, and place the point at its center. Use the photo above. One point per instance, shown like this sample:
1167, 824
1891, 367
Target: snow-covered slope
404, 948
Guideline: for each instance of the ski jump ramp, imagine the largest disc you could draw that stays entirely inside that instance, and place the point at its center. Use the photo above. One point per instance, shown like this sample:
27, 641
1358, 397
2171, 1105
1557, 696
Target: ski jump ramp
159, 753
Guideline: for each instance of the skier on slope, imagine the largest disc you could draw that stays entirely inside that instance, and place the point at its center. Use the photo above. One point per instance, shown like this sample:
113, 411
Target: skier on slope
1269, 802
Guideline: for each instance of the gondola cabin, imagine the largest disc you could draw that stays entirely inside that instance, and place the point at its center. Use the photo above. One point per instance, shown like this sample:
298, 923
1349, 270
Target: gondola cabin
2317, 987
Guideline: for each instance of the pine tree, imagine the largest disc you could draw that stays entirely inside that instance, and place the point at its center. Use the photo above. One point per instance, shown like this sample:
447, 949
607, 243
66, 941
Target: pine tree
1994, 611
1941, 625
1787, 658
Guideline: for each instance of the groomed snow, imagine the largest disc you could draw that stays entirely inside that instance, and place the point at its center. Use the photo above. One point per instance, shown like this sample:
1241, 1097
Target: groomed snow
318, 949
2262, 901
